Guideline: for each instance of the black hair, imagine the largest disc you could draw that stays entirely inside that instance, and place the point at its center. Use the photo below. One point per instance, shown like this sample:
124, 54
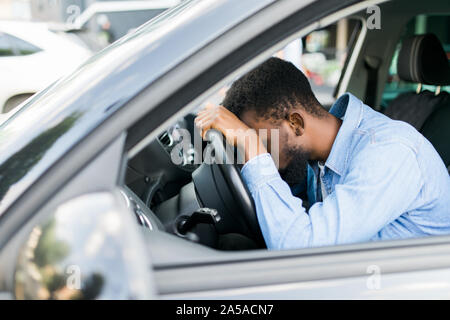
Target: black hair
271, 90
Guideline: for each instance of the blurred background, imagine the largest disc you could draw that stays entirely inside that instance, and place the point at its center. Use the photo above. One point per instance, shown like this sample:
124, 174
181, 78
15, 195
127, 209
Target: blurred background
97, 23
41, 40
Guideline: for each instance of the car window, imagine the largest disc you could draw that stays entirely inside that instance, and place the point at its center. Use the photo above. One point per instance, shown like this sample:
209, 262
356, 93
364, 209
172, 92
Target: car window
325, 52
13, 46
6, 48
438, 25
321, 56
22, 47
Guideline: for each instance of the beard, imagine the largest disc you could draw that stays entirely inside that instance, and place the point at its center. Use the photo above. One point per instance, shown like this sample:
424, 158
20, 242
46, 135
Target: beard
296, 170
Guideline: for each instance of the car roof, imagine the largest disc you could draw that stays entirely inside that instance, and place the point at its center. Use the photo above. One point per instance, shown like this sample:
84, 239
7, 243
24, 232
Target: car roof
54, 120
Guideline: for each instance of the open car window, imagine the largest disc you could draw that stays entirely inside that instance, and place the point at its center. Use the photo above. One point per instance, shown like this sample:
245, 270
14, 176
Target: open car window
165, 187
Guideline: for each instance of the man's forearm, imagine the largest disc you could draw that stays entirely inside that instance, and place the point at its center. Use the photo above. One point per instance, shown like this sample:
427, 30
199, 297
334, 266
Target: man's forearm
250, 144
279, 212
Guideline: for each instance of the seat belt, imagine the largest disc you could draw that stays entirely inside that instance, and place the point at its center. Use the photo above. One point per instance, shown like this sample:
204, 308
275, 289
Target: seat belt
372, 65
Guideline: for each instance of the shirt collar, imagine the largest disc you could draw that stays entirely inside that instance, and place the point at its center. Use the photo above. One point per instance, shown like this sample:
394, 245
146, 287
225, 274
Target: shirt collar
350, 110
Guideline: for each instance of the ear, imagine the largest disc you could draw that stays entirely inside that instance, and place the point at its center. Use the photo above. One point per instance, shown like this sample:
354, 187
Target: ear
297, 123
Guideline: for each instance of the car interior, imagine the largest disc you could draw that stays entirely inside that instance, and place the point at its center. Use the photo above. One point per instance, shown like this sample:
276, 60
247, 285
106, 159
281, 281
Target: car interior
205, 210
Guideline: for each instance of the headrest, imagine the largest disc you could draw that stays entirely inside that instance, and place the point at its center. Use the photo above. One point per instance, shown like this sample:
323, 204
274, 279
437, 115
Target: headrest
423, 60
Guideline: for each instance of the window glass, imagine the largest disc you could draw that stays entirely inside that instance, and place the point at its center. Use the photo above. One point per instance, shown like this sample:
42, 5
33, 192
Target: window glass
440, 26
23, 47
6, 48
324, 54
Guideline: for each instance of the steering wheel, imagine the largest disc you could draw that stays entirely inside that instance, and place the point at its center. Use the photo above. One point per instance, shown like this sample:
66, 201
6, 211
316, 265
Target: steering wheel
219, 185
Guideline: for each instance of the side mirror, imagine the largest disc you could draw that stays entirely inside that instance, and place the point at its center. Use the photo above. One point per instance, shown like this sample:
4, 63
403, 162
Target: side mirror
90, 248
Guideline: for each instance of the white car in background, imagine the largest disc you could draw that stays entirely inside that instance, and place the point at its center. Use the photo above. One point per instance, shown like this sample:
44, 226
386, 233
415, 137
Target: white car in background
31, 58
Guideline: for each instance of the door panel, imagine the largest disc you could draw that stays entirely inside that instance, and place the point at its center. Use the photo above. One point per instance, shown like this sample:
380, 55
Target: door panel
309, 269
431, 284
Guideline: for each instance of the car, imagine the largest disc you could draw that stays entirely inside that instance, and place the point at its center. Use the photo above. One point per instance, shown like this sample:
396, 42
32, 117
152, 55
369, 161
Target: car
31, 58
101, 23
97, 200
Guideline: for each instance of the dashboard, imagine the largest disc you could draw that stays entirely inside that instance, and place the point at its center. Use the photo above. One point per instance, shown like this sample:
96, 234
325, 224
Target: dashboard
168, 187
144, 215
159, 171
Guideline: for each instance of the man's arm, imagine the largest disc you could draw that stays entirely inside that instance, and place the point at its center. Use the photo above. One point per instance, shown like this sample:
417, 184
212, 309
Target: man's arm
219, 118
382, 182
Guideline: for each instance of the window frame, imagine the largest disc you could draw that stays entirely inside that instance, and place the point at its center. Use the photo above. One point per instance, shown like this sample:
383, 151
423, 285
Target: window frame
15, 41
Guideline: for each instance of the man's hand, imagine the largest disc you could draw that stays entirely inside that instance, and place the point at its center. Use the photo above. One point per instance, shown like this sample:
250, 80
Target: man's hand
234, 130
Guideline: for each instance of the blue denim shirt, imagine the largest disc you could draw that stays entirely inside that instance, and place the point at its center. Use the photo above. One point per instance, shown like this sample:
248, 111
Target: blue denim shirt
383, 178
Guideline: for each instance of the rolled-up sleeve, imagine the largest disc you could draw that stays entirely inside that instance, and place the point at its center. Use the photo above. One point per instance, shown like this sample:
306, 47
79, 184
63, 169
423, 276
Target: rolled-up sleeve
364, 201
277, 209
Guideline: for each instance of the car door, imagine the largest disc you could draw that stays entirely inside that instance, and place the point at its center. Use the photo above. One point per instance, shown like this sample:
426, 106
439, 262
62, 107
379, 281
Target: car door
408, 268
83, 244
403, 270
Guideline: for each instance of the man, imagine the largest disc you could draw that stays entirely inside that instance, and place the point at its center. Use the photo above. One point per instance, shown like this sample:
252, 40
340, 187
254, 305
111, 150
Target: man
370, 177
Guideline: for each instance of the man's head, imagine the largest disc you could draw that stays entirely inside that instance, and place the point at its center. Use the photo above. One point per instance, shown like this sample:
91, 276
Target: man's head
276, 95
